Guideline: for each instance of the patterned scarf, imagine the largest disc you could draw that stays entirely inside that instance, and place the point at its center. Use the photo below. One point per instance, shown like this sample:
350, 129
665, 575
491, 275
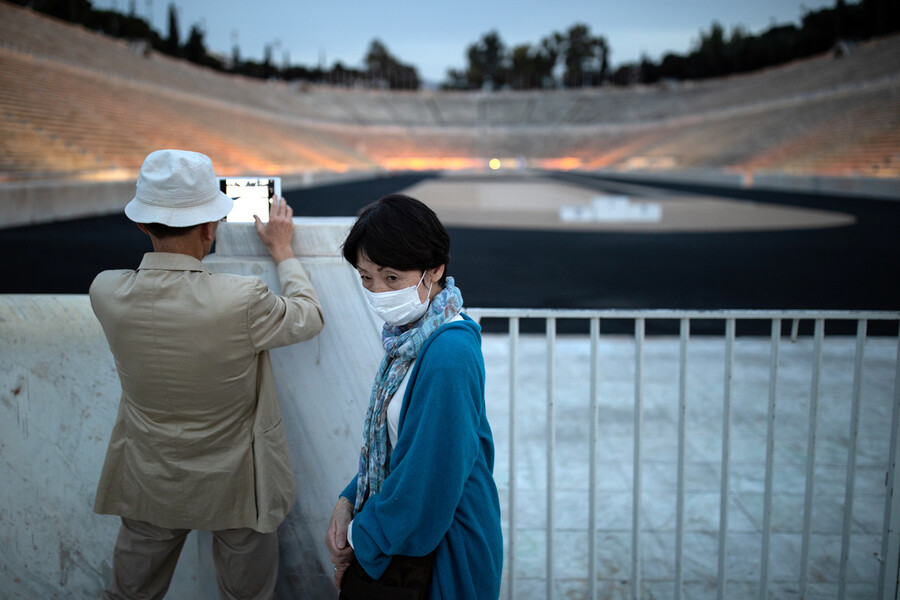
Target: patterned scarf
401, 347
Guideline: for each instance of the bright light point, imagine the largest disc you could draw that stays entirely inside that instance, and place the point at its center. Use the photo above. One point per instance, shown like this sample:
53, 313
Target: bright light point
494, 164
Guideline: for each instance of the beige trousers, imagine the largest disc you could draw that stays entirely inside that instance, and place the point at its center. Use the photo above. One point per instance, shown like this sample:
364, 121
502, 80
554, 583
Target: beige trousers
145, 556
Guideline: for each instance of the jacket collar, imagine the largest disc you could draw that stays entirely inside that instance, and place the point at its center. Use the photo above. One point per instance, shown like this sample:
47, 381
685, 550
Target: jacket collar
168, 261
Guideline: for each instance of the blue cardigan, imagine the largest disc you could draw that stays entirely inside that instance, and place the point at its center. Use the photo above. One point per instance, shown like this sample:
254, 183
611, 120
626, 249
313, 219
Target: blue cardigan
440, 492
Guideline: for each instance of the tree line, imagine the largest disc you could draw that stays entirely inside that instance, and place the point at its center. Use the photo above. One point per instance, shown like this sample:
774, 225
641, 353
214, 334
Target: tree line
718, 53
583, 57
577, 58
571, 59
381, 68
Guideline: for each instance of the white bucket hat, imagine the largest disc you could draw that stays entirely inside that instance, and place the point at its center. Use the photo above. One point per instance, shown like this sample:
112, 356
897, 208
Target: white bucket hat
177, 188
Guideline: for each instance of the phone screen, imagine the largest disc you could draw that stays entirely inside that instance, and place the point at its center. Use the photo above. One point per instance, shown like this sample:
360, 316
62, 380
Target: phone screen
251, 195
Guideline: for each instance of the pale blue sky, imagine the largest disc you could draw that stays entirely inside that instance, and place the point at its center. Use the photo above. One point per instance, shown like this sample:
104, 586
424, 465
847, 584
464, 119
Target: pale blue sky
434, 36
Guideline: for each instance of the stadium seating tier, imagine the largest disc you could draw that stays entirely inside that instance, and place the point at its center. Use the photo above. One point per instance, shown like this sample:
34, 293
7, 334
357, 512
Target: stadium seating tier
76, 104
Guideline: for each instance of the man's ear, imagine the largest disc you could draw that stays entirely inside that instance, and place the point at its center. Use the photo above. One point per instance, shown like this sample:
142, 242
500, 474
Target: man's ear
142, 228
208, 231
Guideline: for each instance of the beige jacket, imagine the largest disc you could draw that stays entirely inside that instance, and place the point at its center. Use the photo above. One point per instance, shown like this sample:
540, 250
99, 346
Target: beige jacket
199, 442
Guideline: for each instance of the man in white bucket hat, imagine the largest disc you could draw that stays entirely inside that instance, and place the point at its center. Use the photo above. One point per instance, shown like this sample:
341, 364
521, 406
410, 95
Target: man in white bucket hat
198, 442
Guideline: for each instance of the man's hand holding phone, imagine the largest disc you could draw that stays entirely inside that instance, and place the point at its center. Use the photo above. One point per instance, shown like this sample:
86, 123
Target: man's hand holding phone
278, 233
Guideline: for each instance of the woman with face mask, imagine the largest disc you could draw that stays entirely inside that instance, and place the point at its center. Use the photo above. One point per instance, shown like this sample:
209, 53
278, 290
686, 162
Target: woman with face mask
421, 517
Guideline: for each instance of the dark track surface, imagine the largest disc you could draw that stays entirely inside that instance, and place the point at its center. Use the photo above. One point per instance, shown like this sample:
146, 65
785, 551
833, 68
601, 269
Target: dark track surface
844, 268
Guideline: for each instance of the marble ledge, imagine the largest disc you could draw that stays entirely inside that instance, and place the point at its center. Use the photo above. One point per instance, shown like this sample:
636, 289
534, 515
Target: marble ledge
313, 237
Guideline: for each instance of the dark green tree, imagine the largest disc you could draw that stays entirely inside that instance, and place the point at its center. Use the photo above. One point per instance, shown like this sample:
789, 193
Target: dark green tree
194, 48
487, 62
546, 56
710, 51
75, 11
235, 56
586, 57
268, 69
579, 52
475, 74
604, 52
736, 50
523, 75
378, 61
456, 80
173, 43
532, 66
387, 70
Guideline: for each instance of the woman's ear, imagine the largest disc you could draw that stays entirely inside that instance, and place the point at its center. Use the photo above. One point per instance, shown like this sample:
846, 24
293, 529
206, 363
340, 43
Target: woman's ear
436, 273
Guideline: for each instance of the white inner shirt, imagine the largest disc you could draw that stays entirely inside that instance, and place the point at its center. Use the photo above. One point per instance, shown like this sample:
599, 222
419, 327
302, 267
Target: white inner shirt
396, 403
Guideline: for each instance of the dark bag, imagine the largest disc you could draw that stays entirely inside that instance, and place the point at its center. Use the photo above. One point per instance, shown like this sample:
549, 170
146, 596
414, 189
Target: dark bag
406, 578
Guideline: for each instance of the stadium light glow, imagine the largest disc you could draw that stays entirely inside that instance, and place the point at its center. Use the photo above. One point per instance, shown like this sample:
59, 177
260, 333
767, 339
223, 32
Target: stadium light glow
566, 163
445, 163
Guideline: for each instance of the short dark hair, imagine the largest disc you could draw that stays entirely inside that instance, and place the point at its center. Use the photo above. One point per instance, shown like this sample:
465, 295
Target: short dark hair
399, 232
161, 232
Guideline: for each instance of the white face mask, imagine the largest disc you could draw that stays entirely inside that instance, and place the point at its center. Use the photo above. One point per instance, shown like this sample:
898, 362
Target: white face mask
398, 307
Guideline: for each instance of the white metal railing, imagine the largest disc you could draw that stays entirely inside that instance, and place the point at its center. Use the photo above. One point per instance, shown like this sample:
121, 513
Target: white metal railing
890, 539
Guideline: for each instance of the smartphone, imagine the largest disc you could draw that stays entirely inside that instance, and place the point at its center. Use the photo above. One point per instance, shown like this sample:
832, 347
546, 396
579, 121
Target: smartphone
251, 195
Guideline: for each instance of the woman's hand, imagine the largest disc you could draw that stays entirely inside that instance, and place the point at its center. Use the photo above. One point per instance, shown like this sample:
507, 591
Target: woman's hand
336, 539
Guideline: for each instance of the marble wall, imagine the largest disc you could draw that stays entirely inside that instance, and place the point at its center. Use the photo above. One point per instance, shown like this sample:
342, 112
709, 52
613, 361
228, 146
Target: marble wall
323, 386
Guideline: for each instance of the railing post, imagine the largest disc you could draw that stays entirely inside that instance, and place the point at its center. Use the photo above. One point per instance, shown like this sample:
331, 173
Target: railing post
685, 329
551, 448
592, 479
890, 535
513, 378
726, 455
811, 455
851, 456
636, 483
770, 459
